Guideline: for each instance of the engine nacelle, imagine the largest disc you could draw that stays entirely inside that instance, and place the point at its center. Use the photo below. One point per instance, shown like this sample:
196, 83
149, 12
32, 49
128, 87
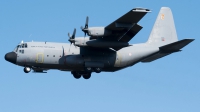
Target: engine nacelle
81, 41
98, 31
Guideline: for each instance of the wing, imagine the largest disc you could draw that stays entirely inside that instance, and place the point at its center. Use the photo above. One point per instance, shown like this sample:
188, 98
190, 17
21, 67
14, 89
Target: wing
125, 28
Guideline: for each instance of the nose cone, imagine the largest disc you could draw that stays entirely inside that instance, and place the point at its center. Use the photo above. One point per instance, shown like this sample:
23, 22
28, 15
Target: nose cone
11, 57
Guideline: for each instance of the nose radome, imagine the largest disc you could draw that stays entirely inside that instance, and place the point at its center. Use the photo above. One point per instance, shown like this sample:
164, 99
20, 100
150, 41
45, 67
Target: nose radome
11, 57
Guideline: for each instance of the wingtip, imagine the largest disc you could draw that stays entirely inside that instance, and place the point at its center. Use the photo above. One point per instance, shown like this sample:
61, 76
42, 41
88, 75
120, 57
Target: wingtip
140, 9
190, 39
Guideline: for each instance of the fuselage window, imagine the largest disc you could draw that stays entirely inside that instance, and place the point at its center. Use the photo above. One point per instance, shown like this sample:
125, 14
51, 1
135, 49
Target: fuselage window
22, 45
53, 55
21, 51
47, 55
25, 45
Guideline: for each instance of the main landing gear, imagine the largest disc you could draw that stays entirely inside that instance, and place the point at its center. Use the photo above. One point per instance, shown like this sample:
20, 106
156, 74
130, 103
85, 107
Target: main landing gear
85, 74
77, 75
27, 69
90, 69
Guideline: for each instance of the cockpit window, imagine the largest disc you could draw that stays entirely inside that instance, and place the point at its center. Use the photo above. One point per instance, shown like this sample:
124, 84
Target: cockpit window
24, 45
16, 49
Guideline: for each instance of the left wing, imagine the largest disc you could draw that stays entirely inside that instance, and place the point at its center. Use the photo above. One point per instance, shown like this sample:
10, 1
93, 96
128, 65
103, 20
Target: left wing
125, 28
116, 35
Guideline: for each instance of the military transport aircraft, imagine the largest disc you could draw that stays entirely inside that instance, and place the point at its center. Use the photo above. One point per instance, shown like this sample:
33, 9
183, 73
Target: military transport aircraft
106, 49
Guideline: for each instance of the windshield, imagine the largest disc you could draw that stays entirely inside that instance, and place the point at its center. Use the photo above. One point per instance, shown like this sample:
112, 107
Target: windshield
16, 48
23, 45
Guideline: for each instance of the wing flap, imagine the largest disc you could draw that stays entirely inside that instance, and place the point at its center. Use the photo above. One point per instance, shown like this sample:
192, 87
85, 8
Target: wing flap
130, 33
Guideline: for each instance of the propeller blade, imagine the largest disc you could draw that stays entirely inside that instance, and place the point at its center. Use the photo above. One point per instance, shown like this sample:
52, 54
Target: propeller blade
63, 51
74, 33
82, 28
71, 38
85, 30
86, 23
70, 47
69, 35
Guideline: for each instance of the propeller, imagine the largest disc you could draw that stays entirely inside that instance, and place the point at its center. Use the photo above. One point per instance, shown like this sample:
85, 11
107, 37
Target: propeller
85, 30
72, 38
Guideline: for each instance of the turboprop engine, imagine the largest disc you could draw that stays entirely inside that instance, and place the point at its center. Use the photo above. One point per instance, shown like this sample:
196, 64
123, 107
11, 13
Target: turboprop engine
98, 31
95, 31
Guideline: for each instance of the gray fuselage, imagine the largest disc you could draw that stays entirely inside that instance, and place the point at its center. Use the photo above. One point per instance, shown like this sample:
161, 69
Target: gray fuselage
66, 57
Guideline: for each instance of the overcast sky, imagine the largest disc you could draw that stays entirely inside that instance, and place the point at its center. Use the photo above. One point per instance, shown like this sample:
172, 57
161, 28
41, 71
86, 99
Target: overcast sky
170, 84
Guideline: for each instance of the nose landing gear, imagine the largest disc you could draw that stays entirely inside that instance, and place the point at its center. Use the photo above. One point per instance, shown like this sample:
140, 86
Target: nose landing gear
27, 69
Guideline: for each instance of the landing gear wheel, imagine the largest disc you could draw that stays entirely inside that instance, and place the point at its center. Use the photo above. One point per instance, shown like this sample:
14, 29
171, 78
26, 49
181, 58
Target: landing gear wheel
88, 69
76, 75
27, 69
97, 70
87, 76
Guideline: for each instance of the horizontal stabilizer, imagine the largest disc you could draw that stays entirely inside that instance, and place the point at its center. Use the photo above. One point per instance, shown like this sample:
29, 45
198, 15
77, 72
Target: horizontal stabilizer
168, 49
176, 46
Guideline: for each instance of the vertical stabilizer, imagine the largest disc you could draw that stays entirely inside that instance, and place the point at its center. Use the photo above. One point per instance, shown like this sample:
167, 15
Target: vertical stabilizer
164, 31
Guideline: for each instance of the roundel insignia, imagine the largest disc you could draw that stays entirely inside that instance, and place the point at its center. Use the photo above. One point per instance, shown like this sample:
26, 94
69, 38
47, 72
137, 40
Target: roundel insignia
162, 17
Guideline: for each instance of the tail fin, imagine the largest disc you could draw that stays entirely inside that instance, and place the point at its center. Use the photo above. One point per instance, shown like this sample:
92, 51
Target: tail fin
164, 31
